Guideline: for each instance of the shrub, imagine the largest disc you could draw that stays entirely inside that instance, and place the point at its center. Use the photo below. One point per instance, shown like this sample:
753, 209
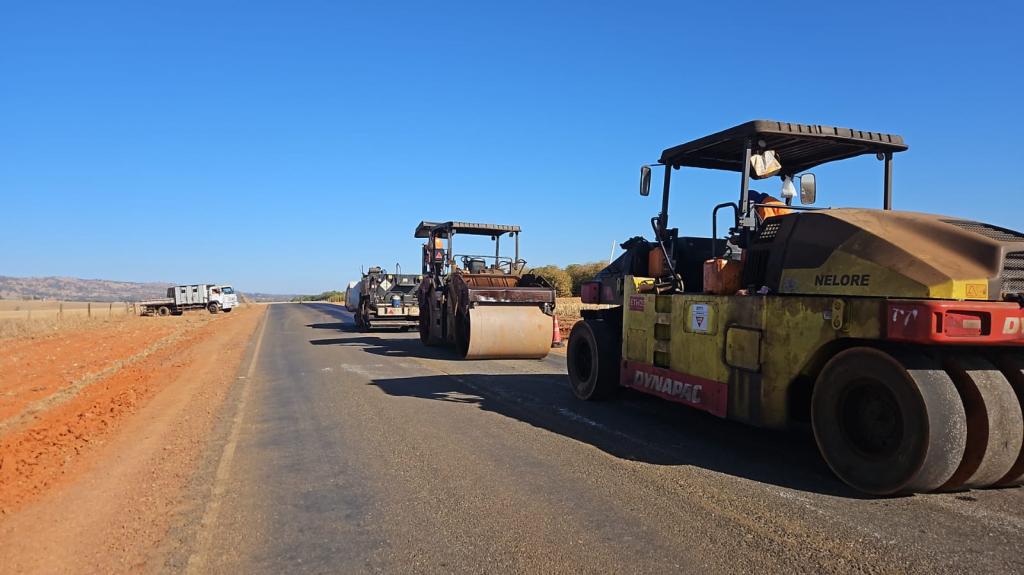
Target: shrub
580, 273
558, 277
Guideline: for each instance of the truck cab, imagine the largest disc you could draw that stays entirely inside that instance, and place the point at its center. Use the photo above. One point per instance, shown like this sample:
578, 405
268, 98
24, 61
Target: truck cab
224, 296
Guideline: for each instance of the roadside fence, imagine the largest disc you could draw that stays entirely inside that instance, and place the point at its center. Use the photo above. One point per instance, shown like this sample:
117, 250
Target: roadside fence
35, 309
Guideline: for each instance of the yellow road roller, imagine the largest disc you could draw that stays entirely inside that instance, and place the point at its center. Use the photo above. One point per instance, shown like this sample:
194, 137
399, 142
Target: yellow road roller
484, 305
896, 337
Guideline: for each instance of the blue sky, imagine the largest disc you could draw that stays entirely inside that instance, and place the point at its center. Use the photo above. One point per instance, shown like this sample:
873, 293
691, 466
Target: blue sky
281, 145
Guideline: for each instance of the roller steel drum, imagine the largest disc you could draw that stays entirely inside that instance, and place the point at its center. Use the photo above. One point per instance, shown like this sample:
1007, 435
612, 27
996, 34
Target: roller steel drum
500, 332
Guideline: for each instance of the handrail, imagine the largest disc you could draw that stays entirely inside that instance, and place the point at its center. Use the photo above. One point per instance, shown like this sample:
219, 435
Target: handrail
714, 224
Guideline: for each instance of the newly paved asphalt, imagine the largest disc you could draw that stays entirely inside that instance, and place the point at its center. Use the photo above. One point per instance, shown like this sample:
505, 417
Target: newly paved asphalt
353, 452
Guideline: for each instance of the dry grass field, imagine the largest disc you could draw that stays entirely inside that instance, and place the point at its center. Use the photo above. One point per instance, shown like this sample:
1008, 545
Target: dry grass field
568, 310
26, 317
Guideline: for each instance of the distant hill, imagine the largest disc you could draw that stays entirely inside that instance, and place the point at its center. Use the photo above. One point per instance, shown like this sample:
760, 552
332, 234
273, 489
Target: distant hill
257, 296
76, 289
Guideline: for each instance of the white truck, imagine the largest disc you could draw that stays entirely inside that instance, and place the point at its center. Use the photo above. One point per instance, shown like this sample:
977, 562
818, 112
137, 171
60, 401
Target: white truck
213, 298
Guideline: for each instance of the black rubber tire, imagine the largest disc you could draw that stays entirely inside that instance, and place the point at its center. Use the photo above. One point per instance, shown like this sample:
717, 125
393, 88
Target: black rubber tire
1012, 366
995, 426
228, 309
592, 359
462, 333
163, 311
213, 307
424, 328
888, 426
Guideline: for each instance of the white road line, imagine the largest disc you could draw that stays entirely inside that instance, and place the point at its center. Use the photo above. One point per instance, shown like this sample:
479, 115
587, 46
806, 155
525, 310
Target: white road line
197, 561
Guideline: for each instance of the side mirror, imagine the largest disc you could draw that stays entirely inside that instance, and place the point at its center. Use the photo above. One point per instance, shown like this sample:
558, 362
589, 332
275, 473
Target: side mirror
808, 194
645, 180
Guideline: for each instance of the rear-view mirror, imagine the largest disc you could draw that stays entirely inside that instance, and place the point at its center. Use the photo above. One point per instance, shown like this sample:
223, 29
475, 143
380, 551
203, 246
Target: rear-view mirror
645, 180
808, 193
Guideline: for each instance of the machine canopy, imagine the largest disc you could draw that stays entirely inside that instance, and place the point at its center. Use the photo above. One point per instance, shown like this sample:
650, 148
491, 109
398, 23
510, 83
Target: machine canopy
798, 147
445, 228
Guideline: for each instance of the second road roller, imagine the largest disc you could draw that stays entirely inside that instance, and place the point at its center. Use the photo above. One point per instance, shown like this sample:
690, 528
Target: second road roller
484, 305
897, 337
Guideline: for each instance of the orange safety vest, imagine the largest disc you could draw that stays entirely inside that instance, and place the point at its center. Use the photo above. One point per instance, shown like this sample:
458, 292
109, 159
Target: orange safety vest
768, 211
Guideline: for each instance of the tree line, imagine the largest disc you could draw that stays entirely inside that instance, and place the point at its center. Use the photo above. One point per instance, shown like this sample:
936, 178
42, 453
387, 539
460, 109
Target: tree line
332, 295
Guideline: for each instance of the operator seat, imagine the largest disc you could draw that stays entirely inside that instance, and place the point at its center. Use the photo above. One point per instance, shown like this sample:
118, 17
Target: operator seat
474, 265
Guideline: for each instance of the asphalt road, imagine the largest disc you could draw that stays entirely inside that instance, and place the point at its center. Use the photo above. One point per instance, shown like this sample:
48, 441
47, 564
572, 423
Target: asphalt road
352, 452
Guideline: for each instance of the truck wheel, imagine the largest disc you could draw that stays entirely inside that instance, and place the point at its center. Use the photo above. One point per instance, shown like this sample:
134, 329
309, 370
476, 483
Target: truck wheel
163, 311
228, 309
887, 426
214, 307
593, 359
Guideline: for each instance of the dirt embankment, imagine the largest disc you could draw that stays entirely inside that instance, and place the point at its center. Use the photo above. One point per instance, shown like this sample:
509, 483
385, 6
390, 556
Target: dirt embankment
100, 427
36, 368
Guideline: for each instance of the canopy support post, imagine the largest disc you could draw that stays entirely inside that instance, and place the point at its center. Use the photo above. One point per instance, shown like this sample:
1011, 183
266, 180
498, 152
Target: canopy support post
663, 216
888, 181
745, 217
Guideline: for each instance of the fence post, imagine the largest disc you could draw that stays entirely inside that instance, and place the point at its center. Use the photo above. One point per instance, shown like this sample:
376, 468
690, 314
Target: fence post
110, 310
88, 309
60, 310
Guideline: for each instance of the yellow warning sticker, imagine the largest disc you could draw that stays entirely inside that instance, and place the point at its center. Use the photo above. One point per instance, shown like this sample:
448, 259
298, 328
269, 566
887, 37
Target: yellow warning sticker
977, 291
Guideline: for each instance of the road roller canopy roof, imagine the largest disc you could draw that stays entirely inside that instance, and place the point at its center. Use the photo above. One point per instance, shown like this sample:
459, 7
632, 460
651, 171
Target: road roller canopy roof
798, 146
444, 228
